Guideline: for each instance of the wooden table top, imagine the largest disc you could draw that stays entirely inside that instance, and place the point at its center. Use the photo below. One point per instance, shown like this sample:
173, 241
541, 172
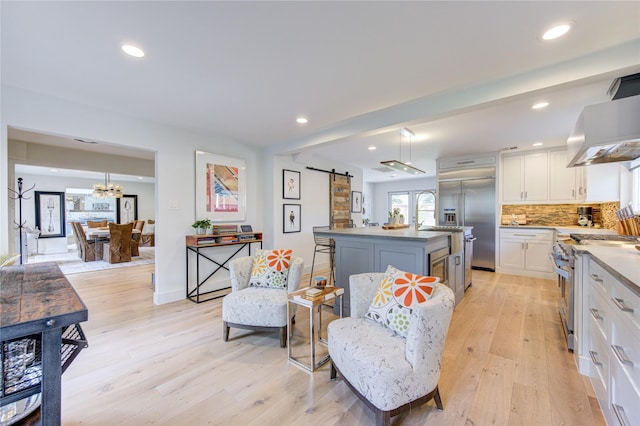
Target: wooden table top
32, 294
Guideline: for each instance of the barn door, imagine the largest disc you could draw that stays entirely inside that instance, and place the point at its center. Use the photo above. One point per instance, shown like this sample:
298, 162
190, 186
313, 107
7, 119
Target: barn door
340, 200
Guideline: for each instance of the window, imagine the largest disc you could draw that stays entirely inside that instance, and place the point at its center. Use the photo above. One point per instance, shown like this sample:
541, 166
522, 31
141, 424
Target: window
406, 202
635, 190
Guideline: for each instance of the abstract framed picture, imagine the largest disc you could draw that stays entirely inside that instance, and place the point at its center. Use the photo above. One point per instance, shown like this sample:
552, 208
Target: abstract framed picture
221, 184
50, 213
127, 208
291, 218
290, 184
356, 202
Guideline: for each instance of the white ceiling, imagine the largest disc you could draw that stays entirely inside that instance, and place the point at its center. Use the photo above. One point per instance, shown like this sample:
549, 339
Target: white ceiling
461, 75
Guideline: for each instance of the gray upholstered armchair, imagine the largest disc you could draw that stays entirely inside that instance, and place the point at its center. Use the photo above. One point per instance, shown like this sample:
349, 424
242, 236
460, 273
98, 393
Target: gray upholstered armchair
258, 308
390, 373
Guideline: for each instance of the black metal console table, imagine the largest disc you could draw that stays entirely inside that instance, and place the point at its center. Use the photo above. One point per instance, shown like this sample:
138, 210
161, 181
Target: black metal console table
196, 243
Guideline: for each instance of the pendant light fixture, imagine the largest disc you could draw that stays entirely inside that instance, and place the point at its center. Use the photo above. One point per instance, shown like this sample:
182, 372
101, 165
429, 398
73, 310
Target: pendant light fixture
398, 164
108, 189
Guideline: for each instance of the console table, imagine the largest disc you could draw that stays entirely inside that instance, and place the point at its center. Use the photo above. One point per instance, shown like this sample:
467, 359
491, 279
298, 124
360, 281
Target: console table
200, 246
37, 301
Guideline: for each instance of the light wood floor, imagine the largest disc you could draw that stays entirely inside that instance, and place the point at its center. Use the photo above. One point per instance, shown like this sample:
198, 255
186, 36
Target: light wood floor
505, 363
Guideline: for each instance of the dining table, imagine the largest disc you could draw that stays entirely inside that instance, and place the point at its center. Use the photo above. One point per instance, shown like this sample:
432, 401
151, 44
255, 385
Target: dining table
102, 233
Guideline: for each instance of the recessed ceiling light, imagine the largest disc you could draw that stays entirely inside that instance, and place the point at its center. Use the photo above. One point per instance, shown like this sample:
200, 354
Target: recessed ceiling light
140, 178
132, 50
54, 170
372, 148
540, 105
301, 120
556, 32
538, 144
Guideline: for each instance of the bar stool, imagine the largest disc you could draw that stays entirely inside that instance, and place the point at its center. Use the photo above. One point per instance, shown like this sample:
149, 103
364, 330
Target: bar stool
324, 245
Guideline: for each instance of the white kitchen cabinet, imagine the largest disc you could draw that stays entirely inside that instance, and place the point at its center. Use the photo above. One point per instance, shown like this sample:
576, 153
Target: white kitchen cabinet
526, 252
525, 178
612, 343
565, 183
603, 182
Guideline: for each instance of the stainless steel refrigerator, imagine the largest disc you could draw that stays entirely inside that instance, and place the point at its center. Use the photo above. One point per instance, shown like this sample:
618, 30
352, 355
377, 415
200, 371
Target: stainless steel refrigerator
468, 198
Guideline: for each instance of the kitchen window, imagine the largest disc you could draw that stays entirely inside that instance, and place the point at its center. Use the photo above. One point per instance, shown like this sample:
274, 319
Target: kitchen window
406, 202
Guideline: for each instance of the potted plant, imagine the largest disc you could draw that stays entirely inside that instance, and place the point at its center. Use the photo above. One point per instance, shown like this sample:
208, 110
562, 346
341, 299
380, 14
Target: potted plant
201, 226
401, 221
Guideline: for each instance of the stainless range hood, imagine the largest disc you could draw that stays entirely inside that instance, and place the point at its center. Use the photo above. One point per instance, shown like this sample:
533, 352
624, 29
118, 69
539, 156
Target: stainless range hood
608, 132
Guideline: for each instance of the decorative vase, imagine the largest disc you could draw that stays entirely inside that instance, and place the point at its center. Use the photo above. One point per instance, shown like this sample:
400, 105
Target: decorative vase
201, 231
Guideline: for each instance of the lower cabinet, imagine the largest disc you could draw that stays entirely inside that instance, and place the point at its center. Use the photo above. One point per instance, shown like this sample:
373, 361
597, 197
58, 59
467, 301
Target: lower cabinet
526, 252
613, 343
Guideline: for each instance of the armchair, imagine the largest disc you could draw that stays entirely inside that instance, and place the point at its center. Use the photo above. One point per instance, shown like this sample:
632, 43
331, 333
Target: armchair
258, 308
389, 373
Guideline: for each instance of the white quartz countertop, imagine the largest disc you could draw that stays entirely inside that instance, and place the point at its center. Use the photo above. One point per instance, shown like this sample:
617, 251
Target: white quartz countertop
565, 229
622, 262
378, 232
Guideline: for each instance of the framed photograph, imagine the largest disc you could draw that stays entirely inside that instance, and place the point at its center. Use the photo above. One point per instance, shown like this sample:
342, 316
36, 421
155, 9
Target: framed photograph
356, 202
126, 208
291, 218
221, 184
290, 184
246, 228
50, 214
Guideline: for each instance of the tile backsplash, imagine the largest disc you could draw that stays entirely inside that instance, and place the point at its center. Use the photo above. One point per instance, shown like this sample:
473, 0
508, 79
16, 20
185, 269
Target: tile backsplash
563, 214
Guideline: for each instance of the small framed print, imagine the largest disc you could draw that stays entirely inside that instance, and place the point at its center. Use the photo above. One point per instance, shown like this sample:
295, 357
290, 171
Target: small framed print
50, 214
291, 218
290, 185
356, 202
246, 228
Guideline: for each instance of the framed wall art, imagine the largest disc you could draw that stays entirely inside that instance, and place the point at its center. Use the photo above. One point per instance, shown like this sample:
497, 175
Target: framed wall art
356, 202
290, 185
50, 214
221, 184
127, 208
291, 218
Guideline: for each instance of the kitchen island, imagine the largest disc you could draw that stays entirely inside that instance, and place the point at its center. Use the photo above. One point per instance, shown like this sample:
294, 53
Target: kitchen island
372, 249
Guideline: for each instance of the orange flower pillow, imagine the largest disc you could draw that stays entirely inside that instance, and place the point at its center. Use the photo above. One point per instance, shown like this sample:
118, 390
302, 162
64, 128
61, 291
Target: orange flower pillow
397, 294
270, 268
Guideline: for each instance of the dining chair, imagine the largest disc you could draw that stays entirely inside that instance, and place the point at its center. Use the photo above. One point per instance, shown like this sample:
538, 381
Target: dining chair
88, 250
96, 223
118, 249
135, 237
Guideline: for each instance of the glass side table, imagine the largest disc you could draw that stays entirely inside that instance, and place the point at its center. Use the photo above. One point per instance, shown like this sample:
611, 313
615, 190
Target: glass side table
314, 305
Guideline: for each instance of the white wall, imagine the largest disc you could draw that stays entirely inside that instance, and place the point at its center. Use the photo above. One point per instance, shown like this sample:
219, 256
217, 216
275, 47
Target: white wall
380, 194
314, 201
175, 165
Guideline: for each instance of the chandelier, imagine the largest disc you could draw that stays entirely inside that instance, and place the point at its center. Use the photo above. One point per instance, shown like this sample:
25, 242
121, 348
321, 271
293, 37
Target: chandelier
398, 164
108, 189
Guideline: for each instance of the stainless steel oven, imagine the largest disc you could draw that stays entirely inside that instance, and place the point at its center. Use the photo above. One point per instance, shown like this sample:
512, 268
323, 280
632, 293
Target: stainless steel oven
564, 267
439, 264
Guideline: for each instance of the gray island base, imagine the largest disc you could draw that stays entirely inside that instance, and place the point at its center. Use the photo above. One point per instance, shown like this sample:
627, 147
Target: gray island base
372, 249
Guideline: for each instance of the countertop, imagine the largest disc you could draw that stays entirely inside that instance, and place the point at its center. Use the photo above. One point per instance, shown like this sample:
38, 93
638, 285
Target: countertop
378, 232
564, 229
622, 262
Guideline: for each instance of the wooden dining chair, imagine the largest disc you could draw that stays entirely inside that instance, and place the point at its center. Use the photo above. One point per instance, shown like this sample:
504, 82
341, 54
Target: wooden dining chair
88, 250
96, 223
135, 237
118, 249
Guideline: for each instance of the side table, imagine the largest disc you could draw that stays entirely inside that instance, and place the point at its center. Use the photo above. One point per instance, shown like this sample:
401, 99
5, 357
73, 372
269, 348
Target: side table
315, 329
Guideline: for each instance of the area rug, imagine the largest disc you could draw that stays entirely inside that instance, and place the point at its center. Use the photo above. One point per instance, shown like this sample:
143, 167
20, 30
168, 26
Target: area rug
70, 263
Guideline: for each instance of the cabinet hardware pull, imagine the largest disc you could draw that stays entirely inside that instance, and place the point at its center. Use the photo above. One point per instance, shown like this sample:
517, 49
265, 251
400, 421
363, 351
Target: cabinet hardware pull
595, 277
619, 411
573, 193
622, 357
594, 358
595, 314
621, 305
525, 195
466, 162
521, 195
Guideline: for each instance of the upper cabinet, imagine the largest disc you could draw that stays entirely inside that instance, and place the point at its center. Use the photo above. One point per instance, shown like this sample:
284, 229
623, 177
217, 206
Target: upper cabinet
542, 177
525, 178
565, 183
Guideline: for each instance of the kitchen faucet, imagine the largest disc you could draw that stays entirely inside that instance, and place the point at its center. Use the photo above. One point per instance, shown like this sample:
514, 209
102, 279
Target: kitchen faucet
418, 207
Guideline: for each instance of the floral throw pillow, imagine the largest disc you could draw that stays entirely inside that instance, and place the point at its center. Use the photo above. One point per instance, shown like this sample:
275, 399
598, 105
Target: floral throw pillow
270, 268
397, 294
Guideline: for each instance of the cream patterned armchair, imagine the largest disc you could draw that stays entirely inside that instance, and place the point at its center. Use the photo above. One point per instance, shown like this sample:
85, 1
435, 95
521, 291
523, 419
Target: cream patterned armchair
258, 308
389, 373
